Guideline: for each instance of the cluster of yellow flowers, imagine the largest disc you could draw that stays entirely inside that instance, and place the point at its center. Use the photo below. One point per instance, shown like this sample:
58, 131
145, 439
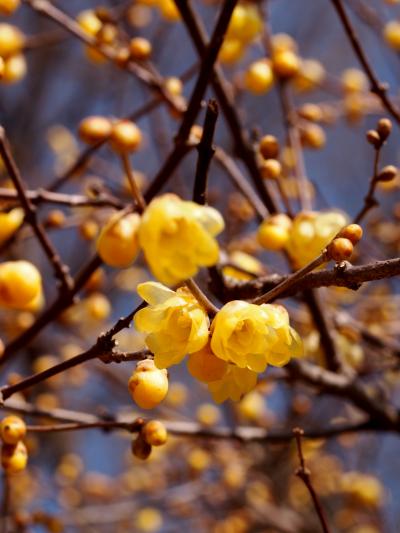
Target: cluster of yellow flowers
305, 237
241, 341
176, 236
12, 60
14, 455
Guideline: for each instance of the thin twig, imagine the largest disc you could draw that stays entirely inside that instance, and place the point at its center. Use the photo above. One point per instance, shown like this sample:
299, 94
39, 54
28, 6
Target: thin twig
61, 270
377, 87
304, 474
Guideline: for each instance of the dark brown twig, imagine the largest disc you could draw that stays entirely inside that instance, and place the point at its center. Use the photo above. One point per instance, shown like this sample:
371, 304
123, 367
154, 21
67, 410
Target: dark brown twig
305, 475
61, 270
377, 87
206, 152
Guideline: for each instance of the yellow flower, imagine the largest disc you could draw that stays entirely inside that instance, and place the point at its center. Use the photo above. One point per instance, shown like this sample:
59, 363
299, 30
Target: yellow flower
252, 336
311, 232
175, 322
234, 384
177, 237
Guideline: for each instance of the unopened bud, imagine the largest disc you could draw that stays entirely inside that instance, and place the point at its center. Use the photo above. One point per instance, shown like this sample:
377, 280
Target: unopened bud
388, 173
384, 128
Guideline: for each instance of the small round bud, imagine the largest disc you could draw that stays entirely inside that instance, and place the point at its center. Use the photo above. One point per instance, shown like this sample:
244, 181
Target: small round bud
312, 136
384, 128
122, 56
89, 22
55, 218
140, 48
388, 173
148, 384
391, 34
107, 34
140, 448
118, 243
14, 457
269, 147
274, 232
11, 40
312, 112
271, 169
12, 429
7, 7
374, 138
174, 86
232, 51
259, 77
125, 137
286, 64
154, 433
353, 232
340, 249
94, 129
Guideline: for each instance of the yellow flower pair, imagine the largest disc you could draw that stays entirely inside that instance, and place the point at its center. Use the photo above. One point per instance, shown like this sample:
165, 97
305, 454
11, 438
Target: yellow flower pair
244, 338
176, 236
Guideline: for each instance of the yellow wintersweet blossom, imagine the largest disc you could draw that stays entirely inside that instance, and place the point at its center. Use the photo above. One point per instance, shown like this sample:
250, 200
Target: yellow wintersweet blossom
252, 336
175, 322
311, 231
234, 384
10, 222
177, 237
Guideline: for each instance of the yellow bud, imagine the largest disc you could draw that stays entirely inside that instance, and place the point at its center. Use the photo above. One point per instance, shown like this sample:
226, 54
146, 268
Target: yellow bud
259, 77
208, 414
340, 249
352, 232
14, 457
310, 75
20, 284
125, 137
140, 48
14, 69
312, 136
169, 10
148, 384
174, 86
271, 169
154, 433
148, 519
286, 63
12, 40
231, 51
7, 7
94, 129
10, 222
273, 234
12, 429
269, 147
354, 80
118, 243
89, 22
391, 33
282, 42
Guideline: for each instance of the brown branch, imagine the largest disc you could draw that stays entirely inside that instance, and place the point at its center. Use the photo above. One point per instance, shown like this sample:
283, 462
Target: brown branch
72, 200
206, 152
370, 201
377, 87
305, 475
222, 90
71, 420
61, 270
349, 276
103, 348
